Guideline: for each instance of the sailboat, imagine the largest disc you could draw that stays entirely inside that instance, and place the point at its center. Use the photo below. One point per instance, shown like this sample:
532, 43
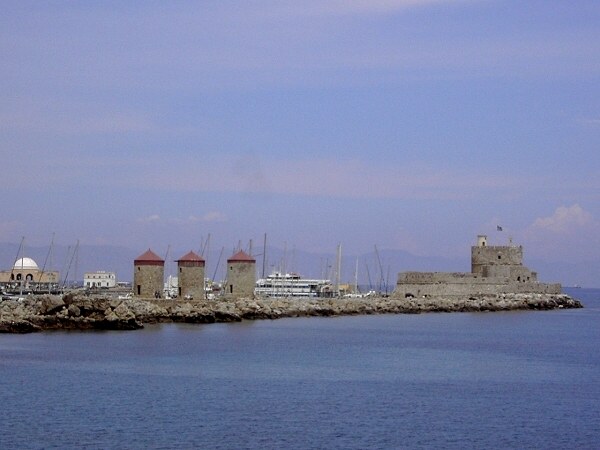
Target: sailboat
356, 291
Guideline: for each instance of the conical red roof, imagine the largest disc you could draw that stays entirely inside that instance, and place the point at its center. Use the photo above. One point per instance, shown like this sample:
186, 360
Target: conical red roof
241, 256
191, 259
148, 257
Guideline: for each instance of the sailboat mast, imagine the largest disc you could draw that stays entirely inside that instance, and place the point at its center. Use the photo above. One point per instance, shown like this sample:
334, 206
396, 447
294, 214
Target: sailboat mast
12, 270
76, 262
168, 275
218, 262
356, 277
338, 269
22, 262
381, 280
264, 255
50, 255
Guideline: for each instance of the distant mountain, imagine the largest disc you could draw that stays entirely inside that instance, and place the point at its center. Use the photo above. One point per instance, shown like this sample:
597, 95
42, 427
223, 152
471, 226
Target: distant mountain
585, 274
73, 265
316, 265
372, 271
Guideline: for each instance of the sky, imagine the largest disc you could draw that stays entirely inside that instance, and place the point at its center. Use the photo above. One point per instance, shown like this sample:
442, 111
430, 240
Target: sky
410, 124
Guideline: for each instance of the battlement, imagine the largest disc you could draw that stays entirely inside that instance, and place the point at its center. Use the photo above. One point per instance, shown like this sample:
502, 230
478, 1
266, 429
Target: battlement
495, 256
494, 270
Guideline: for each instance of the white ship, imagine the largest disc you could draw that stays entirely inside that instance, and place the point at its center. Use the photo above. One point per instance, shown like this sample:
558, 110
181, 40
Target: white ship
292, 285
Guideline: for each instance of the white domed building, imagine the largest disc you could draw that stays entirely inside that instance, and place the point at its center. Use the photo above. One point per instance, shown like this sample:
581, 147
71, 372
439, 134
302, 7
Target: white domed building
27, 274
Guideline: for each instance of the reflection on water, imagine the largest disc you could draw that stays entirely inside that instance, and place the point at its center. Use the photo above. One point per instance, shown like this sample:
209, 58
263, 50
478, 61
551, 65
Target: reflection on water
515, 379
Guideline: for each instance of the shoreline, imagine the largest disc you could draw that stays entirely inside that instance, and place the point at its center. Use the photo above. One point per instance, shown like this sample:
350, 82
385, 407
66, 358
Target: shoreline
79, 312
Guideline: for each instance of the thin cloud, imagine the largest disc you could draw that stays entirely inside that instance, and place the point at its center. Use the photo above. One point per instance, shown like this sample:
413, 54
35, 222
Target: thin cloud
327, 178
590, 121
211, 216
569, 233
154, 218
8, 230
209, 48
73, 120
353, 7
566, 219
214, 216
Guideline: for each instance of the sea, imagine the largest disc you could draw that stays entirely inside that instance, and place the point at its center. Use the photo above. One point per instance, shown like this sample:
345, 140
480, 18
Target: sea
526, 379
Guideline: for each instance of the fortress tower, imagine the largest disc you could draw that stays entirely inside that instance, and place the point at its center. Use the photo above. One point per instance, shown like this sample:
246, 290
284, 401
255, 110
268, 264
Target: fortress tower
148, 275
241, 275
499, 261
190, 268
495, 269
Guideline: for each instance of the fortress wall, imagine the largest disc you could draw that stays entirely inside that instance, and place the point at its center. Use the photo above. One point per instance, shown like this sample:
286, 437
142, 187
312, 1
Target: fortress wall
513, 273
522, 274
482, 287
494, 270
483, 257
435, 277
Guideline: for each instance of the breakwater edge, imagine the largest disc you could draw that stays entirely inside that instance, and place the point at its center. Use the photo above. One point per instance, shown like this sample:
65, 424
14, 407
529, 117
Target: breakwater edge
79, 312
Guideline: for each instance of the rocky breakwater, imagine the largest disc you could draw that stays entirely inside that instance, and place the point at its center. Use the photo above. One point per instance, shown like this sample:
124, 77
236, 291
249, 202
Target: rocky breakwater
65, 312
78, 312
277, 308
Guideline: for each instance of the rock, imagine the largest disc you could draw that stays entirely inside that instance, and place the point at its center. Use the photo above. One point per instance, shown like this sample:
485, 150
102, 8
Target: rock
110, 316
51, 304
18, 326
123, 312
115, 302
83, 312
108, 324
68, 298
74, 311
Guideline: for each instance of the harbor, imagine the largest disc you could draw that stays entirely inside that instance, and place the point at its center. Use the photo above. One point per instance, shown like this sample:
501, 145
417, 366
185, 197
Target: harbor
498, 281
81, 312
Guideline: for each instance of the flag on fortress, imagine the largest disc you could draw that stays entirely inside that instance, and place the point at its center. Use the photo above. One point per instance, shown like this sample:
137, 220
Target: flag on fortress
498, 227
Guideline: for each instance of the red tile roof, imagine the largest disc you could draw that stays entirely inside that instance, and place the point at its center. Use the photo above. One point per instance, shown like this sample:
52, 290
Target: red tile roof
190, 257
241, 256
148, 257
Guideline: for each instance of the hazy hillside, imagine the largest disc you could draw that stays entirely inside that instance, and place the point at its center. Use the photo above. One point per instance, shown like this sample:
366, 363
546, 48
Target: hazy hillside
372, 271
73, 265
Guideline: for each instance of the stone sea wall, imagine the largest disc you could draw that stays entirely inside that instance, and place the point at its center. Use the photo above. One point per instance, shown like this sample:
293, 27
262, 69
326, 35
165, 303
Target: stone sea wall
78, 312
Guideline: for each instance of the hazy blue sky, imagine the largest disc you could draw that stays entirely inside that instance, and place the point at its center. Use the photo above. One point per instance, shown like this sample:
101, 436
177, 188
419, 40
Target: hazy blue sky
411, 124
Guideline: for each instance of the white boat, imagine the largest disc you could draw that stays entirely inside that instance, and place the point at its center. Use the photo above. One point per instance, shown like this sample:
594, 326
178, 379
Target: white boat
292, 285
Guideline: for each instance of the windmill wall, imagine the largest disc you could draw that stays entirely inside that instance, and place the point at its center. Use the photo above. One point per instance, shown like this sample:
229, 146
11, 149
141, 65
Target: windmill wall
191, 279
241, 275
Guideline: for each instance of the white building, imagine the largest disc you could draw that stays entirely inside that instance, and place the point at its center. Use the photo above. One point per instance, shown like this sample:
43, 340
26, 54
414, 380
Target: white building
99, 279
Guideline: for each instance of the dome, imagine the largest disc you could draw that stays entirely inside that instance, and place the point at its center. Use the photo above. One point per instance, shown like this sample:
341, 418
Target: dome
25, 263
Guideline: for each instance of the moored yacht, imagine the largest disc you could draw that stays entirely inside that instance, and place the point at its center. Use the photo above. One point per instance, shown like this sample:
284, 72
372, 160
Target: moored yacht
292, 285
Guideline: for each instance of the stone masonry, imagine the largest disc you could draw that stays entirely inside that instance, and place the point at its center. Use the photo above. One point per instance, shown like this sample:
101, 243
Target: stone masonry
190, 270
241, 275
148, 275
494, 270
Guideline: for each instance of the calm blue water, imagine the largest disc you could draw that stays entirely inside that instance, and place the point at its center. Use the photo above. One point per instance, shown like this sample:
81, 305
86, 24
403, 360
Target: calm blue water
493, 380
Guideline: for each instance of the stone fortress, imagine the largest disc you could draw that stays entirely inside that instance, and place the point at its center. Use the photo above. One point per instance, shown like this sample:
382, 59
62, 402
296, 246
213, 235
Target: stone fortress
495, 270
498, 281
